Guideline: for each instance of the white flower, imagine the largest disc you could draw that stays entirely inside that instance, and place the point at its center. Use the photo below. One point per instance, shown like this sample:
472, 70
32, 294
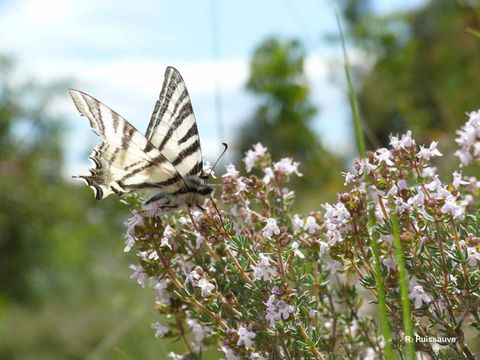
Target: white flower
400, 206
297, 223
139, 274
429, 153
468, 139
297, 252
457, 180
167, 235
393, 190
269, 175
245, 337
241, 186
387, 238
417, 200
405, 142
323, 247
287, 166
451, 207
206, 287
199, 331
270, 228
200, 239
390, 264
256, 356
252, 156
135, 220
208, 170
365, 167
160, 330
311, 225
349, 178
162, 294
473, 256
229, 354
419, 295
231, 171
429, 171
277, 310
384, 155
174, 356
263, 270
334, 266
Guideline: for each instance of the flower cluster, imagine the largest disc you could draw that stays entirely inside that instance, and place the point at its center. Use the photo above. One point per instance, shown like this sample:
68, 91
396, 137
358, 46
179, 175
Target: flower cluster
469, 139
254, 279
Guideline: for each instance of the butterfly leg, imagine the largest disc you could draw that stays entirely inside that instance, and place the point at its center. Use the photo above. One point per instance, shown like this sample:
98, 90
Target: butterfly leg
219, 215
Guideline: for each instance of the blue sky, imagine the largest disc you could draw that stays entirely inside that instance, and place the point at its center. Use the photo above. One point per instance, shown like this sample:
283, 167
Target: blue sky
117, 51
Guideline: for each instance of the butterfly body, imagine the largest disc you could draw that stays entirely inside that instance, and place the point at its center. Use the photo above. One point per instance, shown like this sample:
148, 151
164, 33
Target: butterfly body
193, 196
167, 160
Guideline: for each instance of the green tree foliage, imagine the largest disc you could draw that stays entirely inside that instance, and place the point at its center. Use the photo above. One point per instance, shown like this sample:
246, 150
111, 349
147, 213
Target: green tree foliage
423, 76
282, 120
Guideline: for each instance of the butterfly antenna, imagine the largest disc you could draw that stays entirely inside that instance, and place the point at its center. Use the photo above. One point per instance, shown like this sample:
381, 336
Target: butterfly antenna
218, 159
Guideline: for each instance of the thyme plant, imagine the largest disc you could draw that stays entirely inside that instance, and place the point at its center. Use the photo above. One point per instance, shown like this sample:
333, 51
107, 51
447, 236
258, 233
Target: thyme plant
250, 277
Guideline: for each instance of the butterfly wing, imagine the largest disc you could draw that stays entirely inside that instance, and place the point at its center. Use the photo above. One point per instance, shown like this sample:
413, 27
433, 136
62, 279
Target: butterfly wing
173, 128
125, 160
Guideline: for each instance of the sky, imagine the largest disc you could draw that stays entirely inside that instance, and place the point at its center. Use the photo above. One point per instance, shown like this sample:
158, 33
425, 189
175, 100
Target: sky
117, 51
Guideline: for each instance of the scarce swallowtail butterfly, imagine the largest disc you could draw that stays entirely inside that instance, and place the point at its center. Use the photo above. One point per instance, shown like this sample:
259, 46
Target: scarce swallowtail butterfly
167, 161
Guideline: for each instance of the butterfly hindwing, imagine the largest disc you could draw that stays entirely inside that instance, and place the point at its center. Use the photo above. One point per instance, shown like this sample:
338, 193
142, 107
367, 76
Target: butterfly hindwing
125, 160
173, 128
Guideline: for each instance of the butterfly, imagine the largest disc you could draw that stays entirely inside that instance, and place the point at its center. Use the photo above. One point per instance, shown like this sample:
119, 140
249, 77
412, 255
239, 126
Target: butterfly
166, 161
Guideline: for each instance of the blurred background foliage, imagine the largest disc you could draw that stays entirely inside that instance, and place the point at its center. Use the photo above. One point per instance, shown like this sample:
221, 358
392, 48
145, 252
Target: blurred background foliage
64, 279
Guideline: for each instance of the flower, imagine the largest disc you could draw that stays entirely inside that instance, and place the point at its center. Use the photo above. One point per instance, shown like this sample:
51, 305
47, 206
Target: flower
206, 287
429, 153
252, 156
323, 247
256, 356
162, 294
419, 295
404, 143
297, 223
384, 155
269, 175
167, 235
263, 270
349, 178
277, 310
457, 180
451, 207
199, 331
270, 228
287, 166
160, 330
208, 169
311, 225
229, 354
390, 264
334, 266
468, 139
138, 274
295, 245
245, 337
473, 256
231, 171
135, 220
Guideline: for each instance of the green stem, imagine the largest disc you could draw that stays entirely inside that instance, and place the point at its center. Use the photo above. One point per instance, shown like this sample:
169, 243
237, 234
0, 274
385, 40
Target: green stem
384, 323
351, 96
402, 278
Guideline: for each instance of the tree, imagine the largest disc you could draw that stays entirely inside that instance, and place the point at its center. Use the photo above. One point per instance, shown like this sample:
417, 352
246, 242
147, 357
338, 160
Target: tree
423, 76
282, 120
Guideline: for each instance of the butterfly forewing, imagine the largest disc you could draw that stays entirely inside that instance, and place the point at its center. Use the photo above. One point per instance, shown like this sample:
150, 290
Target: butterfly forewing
173, 129
125, 160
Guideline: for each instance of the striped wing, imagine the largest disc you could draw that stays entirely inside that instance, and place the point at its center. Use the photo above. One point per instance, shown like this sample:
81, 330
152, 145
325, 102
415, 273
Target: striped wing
173, 129
125, 160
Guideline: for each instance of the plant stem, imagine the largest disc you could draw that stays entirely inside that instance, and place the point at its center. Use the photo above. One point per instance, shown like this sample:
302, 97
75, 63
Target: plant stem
402, 278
